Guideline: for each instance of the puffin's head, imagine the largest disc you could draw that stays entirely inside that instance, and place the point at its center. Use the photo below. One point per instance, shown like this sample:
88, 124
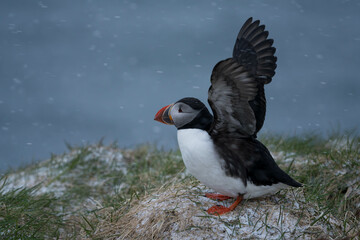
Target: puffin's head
185, 113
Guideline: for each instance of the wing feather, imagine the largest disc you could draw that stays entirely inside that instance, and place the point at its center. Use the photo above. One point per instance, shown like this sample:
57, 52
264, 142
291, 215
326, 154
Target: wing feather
232, 87
263, 45
237, 98
252, 27
245, 26
251, 45
236, 95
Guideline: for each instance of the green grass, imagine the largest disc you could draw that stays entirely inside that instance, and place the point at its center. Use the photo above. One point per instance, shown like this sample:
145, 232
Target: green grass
330, 174
25, 216
147, 168
328, 168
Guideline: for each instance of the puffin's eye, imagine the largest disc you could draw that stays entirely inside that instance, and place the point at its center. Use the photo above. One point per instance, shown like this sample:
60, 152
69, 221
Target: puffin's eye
180, 110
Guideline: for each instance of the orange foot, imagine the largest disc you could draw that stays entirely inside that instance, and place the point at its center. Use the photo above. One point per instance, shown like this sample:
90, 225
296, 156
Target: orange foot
219, 210
216, 196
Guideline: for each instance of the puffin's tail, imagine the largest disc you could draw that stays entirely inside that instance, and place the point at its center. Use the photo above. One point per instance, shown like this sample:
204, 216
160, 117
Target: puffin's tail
283, 177
291, 182
276, 172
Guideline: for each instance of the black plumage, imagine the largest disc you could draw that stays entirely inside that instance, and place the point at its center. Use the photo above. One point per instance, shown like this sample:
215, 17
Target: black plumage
222, 151
203, 120
250, 160
237, 98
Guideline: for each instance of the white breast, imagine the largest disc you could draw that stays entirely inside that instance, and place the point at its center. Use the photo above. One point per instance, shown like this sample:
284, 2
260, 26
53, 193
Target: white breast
203, 162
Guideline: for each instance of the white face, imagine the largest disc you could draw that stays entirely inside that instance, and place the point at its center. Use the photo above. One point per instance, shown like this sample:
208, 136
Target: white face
182, 114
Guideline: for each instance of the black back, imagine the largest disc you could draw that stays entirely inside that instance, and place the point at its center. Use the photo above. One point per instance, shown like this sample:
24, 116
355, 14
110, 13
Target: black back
250, 160
237, 98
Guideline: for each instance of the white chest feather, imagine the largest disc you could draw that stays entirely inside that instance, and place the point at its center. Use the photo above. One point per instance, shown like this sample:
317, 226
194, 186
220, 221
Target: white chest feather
202, 161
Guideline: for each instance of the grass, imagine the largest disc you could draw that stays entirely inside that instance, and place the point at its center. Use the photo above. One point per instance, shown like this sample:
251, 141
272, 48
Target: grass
77, 185
24, 215
331, 170
330, 174
96, 187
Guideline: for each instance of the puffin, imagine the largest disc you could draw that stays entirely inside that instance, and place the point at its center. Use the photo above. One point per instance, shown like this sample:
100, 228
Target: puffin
221, 149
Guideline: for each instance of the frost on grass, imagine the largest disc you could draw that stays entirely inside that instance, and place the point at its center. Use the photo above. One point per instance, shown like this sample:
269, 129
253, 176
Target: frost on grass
84, 167
117, 194
179, 212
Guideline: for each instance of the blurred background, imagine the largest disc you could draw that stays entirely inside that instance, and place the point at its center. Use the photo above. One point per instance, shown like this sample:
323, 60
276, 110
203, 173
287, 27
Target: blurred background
77, 71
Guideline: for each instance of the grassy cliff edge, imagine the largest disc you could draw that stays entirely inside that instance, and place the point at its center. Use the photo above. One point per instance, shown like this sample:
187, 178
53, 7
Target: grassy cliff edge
103, 192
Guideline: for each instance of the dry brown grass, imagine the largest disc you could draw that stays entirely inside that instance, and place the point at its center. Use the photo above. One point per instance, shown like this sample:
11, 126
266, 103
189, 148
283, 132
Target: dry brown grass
177, 211
102, 193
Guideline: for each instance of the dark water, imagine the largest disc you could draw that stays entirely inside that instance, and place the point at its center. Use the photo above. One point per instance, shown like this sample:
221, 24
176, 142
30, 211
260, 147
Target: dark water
77, 71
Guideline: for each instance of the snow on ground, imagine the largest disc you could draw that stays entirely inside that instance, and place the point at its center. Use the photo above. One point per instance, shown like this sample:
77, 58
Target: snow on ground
50, 174
179, 212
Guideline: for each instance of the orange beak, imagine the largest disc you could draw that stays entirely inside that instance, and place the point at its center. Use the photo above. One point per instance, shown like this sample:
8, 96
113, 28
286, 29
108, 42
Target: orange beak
164, 116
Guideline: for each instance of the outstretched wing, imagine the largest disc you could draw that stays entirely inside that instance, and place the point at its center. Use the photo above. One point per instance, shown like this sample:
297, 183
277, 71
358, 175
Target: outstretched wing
236, 94
232, 87
254, 51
